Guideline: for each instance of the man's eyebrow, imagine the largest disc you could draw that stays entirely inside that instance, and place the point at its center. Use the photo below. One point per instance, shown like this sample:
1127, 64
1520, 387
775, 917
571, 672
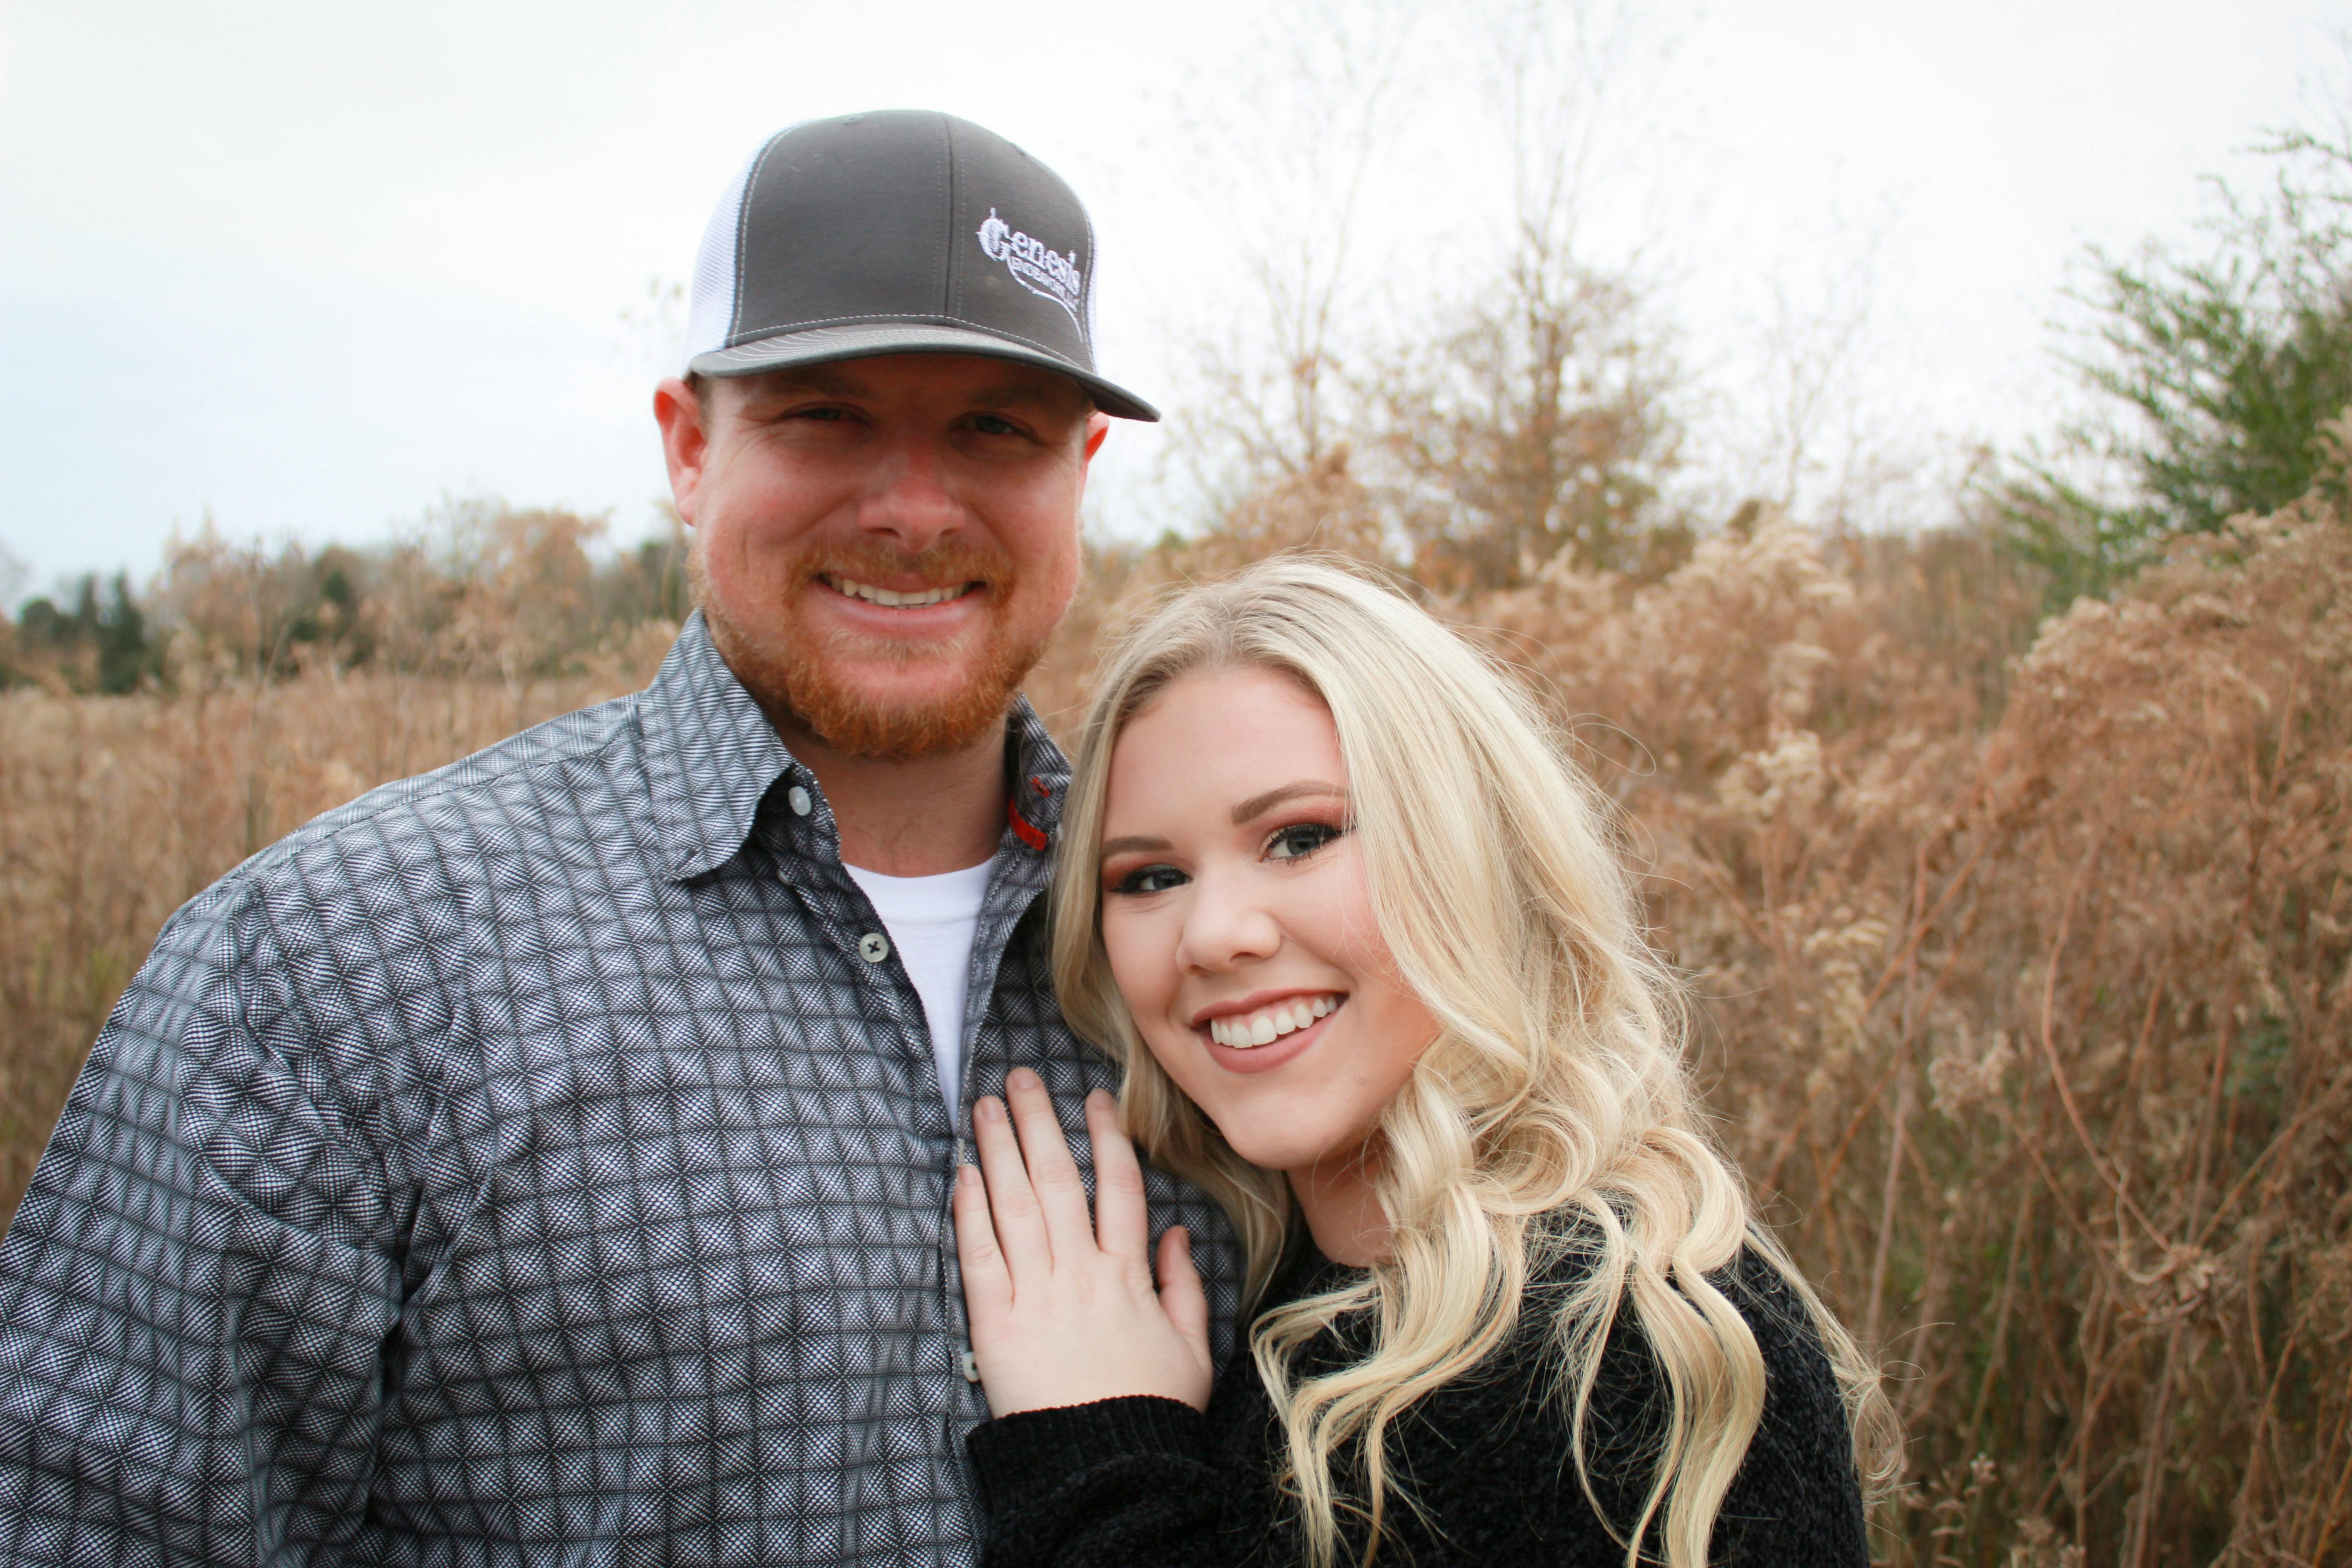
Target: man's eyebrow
1025, 394
1257, 805
834, 380
1131, 842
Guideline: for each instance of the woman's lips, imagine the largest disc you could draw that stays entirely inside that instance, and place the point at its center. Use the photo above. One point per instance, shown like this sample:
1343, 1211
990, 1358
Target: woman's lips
1265, 1058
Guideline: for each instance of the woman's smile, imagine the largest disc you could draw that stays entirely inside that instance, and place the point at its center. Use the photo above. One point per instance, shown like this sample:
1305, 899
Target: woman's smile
1261, 1020
1266, 1037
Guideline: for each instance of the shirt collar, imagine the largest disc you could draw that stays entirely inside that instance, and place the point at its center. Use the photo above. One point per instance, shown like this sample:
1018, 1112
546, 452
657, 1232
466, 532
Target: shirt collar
711, 757
1040, 779
710, 754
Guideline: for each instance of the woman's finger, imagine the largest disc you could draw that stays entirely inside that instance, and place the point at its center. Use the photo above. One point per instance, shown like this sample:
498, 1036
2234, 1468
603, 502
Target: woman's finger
1053, 1174
987, 1286
1122, 1226
1019, 1225
1180, 1295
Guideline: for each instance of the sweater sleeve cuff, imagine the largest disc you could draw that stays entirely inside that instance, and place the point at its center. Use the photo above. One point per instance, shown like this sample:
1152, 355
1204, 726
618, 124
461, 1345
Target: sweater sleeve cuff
1032, 1452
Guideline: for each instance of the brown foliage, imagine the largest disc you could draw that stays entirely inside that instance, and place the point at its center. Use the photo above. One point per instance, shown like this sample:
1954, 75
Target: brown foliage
1535, 429
2039, 1038
2023, 974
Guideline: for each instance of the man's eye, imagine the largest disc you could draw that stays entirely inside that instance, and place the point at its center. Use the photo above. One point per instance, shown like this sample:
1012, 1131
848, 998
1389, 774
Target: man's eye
1301, 840
1150, 879
994, 425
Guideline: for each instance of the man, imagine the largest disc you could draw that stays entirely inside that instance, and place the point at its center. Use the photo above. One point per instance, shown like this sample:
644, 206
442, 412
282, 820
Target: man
548, 1159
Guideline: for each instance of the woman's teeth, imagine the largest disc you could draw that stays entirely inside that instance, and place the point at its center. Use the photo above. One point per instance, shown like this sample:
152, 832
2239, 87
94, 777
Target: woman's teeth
891, 597
1268, 1025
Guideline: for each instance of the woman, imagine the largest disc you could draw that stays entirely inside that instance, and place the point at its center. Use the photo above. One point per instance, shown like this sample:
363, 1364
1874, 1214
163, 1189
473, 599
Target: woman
1356, 931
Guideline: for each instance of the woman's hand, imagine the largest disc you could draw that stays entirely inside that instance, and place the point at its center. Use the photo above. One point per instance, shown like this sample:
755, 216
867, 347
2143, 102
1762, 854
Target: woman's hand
1063, 1309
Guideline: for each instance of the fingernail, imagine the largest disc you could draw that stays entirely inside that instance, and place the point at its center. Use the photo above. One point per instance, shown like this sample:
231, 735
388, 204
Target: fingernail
990, 1109
1021, 1077
968, 1175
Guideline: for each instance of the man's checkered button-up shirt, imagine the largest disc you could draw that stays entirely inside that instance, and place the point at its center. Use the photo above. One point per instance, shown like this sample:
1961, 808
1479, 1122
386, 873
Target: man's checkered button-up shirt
522, 1165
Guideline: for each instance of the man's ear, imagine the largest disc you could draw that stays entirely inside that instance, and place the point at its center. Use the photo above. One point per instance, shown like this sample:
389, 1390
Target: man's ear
1097, 427
686, 442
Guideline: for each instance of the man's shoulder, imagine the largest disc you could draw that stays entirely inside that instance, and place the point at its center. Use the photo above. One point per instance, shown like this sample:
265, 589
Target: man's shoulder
551, 782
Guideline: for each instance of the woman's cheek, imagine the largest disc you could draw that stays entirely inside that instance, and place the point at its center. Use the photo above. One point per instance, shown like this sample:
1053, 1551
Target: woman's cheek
1145, 975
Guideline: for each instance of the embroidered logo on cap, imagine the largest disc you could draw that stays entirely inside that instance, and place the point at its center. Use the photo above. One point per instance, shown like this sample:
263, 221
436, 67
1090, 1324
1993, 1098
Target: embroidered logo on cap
1035, 266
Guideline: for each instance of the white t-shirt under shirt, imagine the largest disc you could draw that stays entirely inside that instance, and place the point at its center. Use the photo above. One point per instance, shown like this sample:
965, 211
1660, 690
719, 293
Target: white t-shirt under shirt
931, 920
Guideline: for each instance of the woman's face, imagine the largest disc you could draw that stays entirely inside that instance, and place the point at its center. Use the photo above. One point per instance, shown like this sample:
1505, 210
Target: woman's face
1239, 922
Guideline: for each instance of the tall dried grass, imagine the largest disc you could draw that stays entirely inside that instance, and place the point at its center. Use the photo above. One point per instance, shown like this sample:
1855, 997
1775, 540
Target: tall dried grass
2024, 968
2030, 1020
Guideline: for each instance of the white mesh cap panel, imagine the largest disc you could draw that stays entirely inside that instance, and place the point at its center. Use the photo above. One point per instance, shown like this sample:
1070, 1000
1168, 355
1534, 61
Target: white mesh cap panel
711, 312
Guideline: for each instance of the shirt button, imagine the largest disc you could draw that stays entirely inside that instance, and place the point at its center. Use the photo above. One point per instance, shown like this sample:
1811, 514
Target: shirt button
971, 1367
873, 947
798, 799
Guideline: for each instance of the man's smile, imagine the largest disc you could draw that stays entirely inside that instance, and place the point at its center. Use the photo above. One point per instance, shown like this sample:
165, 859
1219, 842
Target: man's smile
896, 598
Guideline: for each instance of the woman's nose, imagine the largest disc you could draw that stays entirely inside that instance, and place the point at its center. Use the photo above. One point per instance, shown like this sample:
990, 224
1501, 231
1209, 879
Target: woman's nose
1224, 927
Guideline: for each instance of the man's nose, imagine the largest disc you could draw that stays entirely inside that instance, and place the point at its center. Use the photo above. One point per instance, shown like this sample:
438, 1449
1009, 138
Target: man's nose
909, 500
1224, 927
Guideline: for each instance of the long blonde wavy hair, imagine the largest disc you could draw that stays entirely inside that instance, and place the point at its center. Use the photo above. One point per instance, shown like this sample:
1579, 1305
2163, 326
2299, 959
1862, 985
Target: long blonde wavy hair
1551, 1111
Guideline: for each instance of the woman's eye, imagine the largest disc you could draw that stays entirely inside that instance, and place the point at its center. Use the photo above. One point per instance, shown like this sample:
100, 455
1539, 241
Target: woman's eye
1150, 880
1301, 840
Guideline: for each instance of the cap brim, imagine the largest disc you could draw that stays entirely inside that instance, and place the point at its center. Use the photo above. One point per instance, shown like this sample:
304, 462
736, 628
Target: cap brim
823, 345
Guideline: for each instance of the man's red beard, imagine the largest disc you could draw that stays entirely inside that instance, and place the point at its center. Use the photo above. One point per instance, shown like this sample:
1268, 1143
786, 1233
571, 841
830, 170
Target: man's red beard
798, 675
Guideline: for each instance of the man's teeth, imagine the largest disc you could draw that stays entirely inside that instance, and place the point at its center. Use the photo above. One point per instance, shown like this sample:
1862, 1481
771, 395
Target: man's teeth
1268, 1025
892, 597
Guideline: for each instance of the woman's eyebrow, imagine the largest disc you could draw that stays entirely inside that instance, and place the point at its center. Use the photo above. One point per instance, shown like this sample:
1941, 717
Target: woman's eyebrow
1131, 842
1257, 805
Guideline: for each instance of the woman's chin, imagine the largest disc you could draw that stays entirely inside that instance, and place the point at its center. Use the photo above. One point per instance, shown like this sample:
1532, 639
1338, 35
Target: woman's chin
1269, 1149
1285, 1149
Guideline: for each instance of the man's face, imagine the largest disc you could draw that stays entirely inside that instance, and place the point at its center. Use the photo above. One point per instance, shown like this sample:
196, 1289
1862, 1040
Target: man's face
883, 546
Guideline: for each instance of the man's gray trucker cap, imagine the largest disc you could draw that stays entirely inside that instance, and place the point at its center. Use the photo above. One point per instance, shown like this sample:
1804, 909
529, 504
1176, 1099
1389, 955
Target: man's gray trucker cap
902, 232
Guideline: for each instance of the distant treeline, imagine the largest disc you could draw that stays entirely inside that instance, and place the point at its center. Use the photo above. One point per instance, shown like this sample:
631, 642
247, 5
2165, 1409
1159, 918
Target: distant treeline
483, 589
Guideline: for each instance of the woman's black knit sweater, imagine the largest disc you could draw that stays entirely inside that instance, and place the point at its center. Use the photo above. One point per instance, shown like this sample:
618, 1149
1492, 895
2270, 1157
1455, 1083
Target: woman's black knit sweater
1150, 1483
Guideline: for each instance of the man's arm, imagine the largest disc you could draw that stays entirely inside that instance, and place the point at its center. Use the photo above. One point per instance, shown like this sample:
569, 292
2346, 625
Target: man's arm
196, 1292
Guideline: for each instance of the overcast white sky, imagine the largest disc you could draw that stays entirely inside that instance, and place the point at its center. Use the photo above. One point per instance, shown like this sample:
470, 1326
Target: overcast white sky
311, 267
